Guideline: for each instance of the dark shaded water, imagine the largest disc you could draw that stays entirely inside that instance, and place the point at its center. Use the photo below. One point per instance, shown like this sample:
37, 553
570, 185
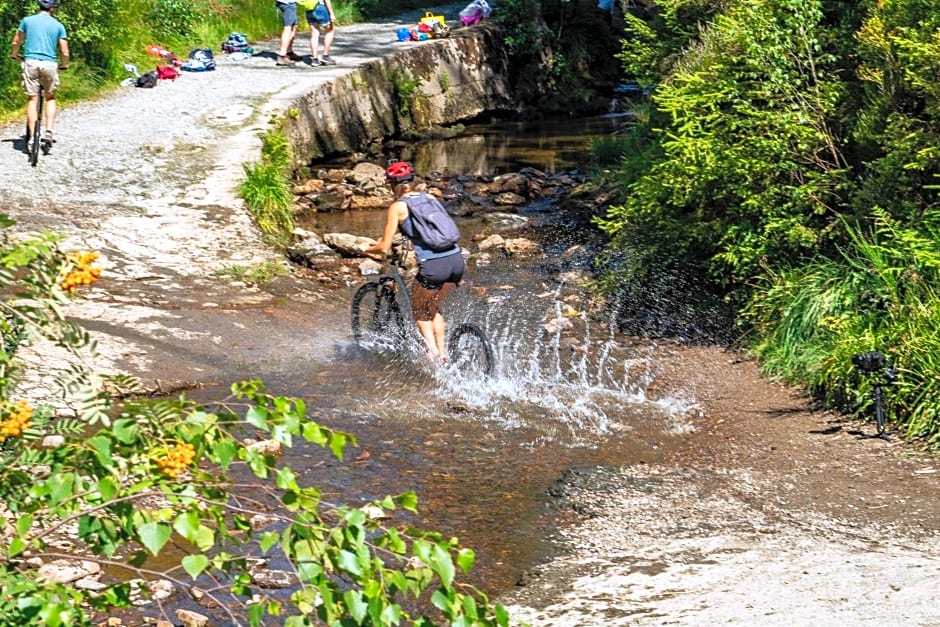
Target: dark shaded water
554, 145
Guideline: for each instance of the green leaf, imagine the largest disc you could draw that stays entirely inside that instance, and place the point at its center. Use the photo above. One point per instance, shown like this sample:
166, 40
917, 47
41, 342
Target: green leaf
154, 536
224, 452
102, 447
443, 565
408, 501
17, 546
60, 487
195, 564
337, 444
187, 525
312, 432
125, 430
107, 488
356, 605
466, 559
349, 562
24, 523
205, 538
257, 417
267, 539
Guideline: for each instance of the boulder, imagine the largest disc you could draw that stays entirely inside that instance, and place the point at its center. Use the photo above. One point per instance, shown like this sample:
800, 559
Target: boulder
310, 186
348, 245
521, 246
512, 183
509, 199
189, 618
67, 571
493, 241
367, 175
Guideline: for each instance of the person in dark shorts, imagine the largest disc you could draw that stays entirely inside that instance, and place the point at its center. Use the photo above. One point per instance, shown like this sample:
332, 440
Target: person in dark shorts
321, 20
438, 272
285, 51
43, 40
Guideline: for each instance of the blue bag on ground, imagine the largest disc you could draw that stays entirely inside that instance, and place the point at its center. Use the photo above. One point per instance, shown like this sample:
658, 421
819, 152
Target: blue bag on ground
201, 61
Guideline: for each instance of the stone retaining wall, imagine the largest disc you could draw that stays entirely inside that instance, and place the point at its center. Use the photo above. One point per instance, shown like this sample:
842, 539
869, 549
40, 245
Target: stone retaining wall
441, 82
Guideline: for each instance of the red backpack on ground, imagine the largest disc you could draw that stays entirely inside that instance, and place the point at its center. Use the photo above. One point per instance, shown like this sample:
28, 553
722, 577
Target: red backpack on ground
166, 72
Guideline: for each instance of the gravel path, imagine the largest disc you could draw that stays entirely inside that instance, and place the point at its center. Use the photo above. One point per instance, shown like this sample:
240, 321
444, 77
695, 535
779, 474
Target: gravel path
148, 178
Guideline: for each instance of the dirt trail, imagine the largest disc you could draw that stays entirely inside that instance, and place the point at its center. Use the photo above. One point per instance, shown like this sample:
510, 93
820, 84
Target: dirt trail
770, 514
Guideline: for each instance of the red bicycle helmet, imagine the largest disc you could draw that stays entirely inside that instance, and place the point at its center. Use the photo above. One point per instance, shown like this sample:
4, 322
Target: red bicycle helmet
399, 172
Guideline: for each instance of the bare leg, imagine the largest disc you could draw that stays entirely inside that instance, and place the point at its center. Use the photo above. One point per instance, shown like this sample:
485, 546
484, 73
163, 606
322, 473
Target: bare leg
426, 328
440, 335
50, 112
315, 42
287, 40
426, 304
32, 112
328, 40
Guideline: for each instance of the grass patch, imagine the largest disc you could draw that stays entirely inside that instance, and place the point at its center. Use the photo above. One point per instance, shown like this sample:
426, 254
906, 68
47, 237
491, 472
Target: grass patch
258, 274
267, 189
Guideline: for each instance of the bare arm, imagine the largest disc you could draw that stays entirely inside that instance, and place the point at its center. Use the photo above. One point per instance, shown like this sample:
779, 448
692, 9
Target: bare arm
64, 49
397, 212
329, 7
17, 42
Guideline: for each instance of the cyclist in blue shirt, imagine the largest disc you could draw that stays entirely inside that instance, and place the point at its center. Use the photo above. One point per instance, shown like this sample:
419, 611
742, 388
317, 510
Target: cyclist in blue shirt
42, 37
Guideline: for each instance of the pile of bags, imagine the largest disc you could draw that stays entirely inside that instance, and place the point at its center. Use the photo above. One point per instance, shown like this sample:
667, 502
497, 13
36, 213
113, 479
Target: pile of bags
429, 27
237, 42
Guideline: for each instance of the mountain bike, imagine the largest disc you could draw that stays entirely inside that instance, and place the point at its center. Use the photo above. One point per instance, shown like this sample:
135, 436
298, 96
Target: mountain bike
381, 317
34, 135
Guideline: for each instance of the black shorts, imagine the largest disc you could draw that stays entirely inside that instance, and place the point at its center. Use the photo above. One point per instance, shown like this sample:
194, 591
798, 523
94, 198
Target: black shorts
433, 273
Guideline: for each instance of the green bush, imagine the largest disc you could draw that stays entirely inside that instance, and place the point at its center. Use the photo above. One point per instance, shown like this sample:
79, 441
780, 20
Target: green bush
267, 188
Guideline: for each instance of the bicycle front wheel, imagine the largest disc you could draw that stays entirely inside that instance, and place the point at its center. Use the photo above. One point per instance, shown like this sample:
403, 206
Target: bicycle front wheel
470, 351
34, 142
377, 319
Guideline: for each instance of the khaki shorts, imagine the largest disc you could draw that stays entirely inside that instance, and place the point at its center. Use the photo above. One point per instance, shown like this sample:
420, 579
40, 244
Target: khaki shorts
38, 74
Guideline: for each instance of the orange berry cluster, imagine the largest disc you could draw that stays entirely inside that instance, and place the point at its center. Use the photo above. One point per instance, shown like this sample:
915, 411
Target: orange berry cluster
176, 459
16, 420
83, 273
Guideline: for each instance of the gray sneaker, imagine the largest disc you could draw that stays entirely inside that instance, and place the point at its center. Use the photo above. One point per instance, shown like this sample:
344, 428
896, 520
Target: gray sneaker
45, 142
315, 61
327, 60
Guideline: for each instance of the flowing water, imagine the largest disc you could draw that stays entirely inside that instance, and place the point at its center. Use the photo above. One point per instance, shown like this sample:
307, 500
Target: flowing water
568, 391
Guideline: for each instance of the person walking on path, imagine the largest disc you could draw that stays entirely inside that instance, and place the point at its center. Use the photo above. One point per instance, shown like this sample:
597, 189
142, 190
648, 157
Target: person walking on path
42, 38
321, 19
285, 51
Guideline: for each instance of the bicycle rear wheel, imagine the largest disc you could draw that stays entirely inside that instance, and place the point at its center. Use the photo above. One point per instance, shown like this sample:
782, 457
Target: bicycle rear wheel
377, 319
470, 351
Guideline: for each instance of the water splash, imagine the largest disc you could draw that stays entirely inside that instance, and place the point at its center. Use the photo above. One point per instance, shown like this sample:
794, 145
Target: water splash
563, 372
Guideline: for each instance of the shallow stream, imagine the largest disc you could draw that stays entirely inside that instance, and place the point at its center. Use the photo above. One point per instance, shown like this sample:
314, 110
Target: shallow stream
483, 455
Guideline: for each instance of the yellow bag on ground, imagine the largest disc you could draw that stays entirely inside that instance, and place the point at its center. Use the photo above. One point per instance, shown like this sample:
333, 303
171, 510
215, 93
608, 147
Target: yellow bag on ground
429, 19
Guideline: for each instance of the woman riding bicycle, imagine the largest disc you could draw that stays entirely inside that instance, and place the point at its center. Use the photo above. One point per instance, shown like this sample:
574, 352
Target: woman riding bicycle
439, 271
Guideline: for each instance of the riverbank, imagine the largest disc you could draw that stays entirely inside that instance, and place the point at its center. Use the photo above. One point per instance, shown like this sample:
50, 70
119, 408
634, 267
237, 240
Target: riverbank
769, 513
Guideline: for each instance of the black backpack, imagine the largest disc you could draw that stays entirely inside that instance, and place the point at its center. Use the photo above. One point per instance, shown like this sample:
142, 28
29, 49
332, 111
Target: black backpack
433, 227
147, 80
